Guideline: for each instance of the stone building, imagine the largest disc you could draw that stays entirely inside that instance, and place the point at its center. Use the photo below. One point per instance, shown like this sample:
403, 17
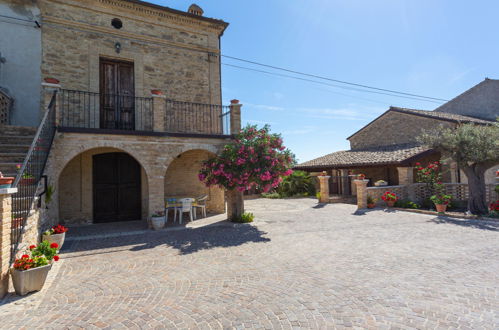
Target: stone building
131, 93
387, 148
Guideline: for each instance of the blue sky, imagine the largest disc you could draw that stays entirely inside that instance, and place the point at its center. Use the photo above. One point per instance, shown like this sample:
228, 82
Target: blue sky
434, 48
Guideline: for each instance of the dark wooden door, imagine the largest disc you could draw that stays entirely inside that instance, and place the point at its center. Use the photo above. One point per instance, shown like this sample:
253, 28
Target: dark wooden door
117, 95
116, 188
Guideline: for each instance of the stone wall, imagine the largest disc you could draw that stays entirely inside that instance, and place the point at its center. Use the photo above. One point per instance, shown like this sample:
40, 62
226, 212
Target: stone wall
176, 54
69, 169
393, 128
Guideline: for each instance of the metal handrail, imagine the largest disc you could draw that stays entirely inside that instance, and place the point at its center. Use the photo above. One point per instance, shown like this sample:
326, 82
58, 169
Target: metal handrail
31, 172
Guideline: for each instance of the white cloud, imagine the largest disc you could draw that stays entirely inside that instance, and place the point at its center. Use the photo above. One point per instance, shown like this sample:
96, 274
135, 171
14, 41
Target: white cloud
342, 113
264, 106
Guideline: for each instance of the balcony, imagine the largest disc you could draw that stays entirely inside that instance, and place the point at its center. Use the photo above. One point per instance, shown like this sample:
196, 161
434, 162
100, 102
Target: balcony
80, 111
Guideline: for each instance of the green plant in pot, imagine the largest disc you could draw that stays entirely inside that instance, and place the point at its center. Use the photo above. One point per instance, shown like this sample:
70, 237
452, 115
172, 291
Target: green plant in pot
371, 202
389, 198
158, 220
30, 271
56, 234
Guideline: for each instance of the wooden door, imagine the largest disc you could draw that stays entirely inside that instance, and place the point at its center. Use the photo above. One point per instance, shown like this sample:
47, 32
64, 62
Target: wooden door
117, 95
117, 188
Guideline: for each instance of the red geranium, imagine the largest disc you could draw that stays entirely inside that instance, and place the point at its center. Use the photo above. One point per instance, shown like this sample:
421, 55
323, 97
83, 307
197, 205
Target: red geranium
54, 245
389, 196
31, 247
56, 258
59, 229
494, 206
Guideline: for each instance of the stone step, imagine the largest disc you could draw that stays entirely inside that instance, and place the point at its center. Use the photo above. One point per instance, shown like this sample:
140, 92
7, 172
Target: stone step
12, 157
14, 148
18, 140
17, 130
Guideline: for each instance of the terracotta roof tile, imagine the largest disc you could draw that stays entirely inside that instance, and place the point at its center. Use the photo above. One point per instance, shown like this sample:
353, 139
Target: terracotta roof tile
385, 155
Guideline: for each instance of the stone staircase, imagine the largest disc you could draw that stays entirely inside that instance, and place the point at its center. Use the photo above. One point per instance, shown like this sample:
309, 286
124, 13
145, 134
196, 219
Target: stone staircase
14, 145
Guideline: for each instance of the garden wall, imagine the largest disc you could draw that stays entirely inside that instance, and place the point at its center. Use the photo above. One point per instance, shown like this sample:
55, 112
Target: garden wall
417, 192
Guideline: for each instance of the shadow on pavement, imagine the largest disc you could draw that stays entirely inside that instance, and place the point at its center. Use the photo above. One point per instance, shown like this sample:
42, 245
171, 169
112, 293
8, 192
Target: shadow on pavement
186, 241
479, 224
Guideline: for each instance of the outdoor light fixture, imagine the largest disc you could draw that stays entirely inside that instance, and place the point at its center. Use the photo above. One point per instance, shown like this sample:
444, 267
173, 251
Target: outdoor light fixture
117, 46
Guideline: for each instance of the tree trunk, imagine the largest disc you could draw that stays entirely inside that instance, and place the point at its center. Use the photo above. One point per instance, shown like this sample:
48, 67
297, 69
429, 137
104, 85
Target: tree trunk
477, 203
235, 204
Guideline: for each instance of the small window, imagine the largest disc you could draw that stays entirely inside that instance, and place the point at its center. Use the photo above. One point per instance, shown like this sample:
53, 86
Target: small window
117, 23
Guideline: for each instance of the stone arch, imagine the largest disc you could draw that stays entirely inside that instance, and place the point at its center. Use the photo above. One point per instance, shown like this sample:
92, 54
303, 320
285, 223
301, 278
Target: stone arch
75, 186
181, 179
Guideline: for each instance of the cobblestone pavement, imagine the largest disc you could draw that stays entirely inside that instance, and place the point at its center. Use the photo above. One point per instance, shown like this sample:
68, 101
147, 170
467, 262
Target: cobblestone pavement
299, 265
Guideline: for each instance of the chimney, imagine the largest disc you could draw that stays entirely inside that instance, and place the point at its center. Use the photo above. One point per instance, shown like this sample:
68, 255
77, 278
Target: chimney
195, 10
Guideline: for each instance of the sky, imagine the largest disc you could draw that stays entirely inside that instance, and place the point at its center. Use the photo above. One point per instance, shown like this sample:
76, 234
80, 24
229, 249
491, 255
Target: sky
426, 47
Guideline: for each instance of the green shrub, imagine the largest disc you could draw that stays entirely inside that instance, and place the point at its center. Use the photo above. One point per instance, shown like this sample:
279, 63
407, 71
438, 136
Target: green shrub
299, 183
406, 204
273, 195
318, 195
246, 217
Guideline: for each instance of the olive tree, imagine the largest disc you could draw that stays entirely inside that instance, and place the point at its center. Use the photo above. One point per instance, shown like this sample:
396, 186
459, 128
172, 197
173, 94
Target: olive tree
475, 148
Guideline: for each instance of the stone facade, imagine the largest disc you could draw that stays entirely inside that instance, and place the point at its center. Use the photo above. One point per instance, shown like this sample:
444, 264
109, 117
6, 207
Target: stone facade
170, 52
169, 167
393, 128
481, 101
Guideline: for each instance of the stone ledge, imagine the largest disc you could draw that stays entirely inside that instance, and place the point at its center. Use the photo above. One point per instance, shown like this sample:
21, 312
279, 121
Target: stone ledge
8, 191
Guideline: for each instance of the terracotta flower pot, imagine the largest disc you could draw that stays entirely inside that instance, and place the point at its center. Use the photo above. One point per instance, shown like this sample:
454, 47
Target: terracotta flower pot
55, 238
26, 281
441, 208
27, 181
6, 181
371, 206
390, 203
158, 222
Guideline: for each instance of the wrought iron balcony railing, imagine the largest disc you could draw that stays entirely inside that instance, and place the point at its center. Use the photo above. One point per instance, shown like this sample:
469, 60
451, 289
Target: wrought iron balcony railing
87, 110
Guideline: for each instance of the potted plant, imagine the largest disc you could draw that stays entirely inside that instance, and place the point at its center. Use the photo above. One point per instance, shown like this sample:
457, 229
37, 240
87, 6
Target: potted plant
56, 234
361, 176
371, 202
441, 201
27, 179
158, 220
30, 271
389, 198
6, 181
381, 183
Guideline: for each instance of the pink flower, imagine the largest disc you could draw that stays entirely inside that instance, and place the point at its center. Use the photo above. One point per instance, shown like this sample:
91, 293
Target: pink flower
288, 172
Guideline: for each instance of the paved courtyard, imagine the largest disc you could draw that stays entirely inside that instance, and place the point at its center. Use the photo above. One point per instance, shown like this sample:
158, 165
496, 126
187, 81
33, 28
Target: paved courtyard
298, 265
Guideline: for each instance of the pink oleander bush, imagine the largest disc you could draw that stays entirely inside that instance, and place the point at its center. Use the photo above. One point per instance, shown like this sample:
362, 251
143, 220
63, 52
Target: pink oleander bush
256, 158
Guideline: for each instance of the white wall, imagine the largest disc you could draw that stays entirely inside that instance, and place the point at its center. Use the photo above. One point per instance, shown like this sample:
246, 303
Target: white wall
20, 45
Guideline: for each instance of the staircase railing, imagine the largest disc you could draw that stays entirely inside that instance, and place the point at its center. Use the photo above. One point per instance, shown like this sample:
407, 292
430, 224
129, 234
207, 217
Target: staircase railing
30, 173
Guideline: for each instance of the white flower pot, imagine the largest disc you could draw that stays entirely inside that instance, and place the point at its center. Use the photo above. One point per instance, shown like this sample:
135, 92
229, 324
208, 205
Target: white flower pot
158, 222
26, 281
55, 238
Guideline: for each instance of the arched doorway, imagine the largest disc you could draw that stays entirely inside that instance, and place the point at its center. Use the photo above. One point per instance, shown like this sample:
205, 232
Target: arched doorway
116, 187
181, 180
86, 180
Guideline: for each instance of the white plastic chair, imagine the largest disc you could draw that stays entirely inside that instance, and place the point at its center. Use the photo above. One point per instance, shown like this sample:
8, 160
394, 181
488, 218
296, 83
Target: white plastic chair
186, 207
200, 203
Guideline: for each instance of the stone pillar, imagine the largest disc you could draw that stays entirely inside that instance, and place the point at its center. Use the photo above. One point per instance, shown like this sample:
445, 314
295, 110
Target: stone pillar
324, 188
406, 175
406, 178
49, 86
158, 110
361, 193
235, 198
454, 169
5, 243
156, 191
235, 117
